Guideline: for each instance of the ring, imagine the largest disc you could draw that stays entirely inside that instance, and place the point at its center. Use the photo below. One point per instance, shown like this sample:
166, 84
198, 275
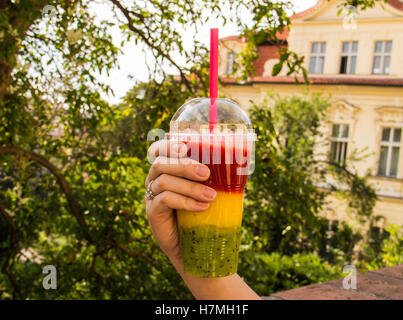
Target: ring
149, 194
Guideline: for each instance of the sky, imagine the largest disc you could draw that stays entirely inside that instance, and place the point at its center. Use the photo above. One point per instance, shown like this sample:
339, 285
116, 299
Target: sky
132, 60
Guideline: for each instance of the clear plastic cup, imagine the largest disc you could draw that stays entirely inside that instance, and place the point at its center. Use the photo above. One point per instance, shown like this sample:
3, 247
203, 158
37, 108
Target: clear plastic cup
210, 239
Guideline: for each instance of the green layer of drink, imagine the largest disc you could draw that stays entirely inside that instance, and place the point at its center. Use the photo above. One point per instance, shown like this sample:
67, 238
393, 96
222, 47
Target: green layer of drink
209, 251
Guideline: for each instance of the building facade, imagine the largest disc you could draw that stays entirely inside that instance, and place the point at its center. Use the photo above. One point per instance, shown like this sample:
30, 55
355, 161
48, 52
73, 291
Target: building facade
357, 58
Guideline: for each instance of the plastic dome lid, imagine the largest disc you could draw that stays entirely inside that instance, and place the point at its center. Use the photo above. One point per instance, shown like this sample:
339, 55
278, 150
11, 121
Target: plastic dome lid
193, 117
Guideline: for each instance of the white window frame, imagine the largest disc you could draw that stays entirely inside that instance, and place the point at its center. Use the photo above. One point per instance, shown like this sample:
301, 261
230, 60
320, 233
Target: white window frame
349, 55
390, 145
341, 155
383, 54
317, 56
230, 63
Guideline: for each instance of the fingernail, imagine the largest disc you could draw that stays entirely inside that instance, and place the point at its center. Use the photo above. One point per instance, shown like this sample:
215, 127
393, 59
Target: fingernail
202, 204
209, 193
202, 171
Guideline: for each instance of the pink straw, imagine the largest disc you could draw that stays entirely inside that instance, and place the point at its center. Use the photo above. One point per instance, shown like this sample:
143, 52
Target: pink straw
213, 76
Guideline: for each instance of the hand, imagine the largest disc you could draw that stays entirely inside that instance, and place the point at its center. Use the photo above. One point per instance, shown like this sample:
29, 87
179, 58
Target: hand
175, 186
171, 175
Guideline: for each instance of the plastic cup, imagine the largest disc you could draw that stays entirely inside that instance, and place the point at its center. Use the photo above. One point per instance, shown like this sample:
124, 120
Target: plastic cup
210, 239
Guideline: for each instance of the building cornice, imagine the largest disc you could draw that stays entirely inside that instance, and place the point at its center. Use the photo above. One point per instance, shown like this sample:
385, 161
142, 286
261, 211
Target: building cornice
385, 82
395, 4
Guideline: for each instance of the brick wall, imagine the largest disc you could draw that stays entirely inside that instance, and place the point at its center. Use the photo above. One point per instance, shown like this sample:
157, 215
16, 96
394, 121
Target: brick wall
265, 53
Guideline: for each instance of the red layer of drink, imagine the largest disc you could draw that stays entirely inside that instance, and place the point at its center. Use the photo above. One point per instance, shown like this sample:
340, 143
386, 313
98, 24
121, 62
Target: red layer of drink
228, 164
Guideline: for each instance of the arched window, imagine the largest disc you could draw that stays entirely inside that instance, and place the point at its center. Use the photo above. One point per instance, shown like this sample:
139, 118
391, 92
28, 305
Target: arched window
230, 62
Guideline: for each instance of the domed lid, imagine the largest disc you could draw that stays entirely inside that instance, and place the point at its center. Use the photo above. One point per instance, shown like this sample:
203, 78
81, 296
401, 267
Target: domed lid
193, 117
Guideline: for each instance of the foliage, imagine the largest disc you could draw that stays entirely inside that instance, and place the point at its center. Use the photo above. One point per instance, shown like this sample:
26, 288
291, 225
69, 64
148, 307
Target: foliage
276, 272
283, 198
361, 4
392, 249
390, 254
145, 107
111, 263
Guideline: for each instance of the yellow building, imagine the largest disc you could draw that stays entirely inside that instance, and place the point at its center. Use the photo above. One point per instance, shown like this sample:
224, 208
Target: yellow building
358, 59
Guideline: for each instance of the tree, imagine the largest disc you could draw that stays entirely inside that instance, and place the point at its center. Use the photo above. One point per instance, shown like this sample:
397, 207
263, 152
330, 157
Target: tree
285, 198
286, 240
146, 106
67, 198
386, 253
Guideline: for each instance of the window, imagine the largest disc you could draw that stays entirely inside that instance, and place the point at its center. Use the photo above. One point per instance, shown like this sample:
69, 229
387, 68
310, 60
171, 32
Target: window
230, 63
339, 142
377, 235
317, 61
349, 57
389, 155
382, 54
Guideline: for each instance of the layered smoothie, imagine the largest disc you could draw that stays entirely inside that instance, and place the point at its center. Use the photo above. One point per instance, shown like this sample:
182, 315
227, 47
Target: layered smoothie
210, 239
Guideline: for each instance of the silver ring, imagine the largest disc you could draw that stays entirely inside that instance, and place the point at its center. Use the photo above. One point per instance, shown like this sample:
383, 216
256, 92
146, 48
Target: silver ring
149, 194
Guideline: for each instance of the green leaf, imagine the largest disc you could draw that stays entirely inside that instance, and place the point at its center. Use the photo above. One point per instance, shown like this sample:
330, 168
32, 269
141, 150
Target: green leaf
277, 68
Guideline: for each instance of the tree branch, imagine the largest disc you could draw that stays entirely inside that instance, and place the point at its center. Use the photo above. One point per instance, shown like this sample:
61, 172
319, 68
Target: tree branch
60, 179
72, 204
11, 224
20, 18
134, 253
149, 43
13, 244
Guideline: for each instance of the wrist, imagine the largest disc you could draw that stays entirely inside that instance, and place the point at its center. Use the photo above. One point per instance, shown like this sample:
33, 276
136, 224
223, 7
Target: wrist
177, 262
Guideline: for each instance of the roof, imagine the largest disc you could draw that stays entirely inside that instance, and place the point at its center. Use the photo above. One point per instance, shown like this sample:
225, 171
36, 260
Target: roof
397, 4
283, 35
311, 9
233, 38
382, 284
359, 81
280, 36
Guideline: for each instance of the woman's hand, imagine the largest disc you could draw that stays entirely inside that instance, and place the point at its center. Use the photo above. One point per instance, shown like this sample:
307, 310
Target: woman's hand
175, 183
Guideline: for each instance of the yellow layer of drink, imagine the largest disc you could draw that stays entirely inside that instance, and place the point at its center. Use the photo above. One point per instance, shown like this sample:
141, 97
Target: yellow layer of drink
225, 211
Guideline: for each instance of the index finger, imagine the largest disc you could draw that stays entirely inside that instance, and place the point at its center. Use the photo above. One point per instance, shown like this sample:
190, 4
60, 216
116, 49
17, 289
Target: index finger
166, 148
